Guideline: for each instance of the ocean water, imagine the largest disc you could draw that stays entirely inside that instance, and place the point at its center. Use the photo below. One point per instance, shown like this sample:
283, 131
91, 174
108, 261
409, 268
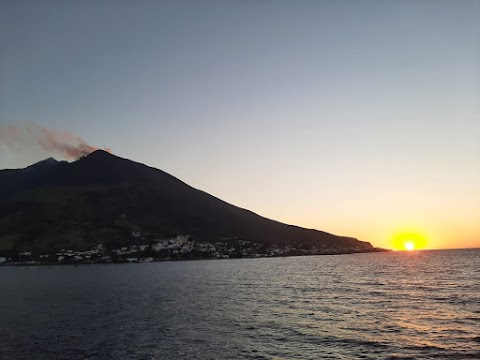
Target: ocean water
418, 305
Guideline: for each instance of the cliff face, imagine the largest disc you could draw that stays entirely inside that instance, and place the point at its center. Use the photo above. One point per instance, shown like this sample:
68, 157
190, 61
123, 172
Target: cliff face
102, 198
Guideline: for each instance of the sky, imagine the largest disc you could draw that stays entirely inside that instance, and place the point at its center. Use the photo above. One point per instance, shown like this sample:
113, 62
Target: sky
360, 118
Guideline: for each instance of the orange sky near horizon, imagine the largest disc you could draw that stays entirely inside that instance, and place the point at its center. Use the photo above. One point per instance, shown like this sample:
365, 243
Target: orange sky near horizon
430, 235
450, 223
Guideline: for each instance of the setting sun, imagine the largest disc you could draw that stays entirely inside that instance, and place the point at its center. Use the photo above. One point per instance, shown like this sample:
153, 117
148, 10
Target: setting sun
409, 240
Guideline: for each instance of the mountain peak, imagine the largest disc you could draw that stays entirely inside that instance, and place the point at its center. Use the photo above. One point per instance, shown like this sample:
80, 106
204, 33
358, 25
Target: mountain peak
43, 163
99, 153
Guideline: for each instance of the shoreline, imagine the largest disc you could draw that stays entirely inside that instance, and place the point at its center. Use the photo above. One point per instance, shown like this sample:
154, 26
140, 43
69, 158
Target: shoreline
153, 260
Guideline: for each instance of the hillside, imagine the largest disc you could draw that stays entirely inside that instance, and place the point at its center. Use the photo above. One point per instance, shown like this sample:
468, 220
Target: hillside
104, 199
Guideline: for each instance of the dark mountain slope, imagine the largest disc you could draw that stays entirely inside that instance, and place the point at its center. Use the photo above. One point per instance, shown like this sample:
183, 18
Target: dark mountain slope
103, 198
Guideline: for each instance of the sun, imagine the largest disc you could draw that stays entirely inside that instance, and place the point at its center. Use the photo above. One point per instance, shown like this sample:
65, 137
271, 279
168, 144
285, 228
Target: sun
409, 245
409, 240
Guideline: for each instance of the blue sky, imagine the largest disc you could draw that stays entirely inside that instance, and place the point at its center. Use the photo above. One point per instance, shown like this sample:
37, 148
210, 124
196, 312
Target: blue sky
355, 117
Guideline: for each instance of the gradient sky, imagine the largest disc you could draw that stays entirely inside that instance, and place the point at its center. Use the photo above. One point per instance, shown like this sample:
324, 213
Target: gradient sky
359, 118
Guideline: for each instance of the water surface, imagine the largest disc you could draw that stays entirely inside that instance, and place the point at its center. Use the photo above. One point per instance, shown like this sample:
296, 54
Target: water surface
420, 305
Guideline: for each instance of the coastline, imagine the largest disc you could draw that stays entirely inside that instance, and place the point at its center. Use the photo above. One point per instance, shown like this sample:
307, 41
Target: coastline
33, 263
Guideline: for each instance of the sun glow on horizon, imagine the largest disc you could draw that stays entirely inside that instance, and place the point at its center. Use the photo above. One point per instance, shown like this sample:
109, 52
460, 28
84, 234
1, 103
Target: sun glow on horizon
409, 241
409, 245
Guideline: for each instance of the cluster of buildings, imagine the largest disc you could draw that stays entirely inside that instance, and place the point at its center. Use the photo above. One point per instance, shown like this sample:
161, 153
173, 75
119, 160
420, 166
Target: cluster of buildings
179, 247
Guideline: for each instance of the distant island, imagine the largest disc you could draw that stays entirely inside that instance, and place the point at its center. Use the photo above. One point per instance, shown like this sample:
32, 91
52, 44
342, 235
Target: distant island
103, 208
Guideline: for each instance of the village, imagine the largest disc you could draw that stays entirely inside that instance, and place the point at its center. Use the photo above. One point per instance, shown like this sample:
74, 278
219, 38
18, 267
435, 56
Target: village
181, 247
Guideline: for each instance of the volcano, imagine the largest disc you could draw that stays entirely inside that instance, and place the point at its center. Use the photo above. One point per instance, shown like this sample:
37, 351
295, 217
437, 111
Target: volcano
104, 199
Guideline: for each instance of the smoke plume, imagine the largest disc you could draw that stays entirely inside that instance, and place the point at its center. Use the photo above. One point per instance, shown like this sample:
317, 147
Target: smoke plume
56, 142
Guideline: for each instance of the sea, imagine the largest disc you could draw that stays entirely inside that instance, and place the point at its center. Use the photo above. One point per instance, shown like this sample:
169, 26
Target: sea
395, 305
